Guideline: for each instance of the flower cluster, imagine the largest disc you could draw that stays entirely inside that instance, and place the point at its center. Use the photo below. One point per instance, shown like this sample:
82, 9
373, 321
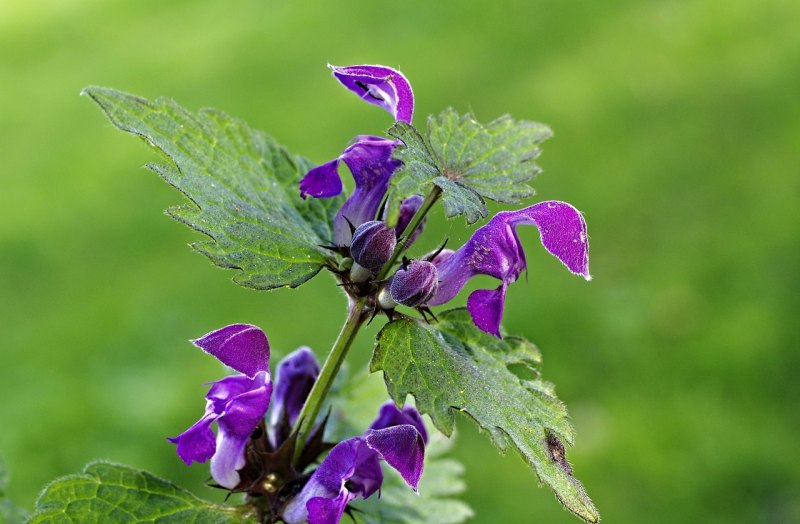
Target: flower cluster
494, 249
262, 447
255, 457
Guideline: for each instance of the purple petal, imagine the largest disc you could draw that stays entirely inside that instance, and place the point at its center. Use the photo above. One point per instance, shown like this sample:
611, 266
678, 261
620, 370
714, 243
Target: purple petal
371, 163
379, 85
408, 208
228, 459
237, 403
486, 308
402, 447
352, 468
323, 181
240, 418
240, 346
328, 511
563, 233
294, 379
196, 443
352, 462
389, 415
495, 250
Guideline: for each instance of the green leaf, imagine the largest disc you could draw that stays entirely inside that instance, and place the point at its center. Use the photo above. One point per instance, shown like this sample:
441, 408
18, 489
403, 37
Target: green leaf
113, 493
242, 187
468, 161
441, 482
453, 366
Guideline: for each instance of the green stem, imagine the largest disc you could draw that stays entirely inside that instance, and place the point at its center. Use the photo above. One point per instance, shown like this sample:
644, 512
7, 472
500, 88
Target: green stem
355, 319
419, 216
328, 373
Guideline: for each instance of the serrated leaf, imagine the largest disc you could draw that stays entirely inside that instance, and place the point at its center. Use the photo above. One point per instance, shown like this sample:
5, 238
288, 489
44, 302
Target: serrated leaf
113, 493
435, 504
242, 186
468, 161
452, 366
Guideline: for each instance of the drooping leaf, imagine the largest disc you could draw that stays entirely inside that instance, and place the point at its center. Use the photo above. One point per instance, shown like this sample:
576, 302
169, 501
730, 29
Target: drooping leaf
453, 366
242, 187
113, 493
468, 161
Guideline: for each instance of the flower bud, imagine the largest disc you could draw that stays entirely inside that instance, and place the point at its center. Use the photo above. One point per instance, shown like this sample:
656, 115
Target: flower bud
372, 245
415, 283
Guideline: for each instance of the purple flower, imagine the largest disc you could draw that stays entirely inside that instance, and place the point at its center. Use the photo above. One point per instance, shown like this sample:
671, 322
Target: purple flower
236, 403
295, 376
369, 158
381, 86
370, 161
495, 250
352, 468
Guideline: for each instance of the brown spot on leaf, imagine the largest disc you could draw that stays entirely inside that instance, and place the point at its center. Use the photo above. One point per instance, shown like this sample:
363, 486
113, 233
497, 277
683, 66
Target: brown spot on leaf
557, 453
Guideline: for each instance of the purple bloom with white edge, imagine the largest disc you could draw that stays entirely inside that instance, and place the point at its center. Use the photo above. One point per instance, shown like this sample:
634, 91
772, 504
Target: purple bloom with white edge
352, 468
495, 250
294, 378
379, 85
236, 403
370, 161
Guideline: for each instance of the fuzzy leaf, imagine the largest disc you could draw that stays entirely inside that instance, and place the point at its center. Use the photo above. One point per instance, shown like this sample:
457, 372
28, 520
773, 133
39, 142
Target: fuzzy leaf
242, 186
453, 366
113, 493
468, 161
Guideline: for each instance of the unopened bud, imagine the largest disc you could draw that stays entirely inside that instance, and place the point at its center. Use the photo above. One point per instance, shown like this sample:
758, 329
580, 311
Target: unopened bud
372, 245
415, 283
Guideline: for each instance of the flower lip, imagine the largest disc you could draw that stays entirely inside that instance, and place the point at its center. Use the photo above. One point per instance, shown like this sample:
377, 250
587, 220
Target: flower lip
379, 85
237, 404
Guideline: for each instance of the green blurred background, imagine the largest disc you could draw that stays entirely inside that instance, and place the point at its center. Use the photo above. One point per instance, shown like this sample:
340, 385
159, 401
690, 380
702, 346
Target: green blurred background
677, 127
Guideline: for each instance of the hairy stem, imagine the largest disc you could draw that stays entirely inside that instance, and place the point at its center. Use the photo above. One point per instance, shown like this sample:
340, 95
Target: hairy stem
327, 374
358, 313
